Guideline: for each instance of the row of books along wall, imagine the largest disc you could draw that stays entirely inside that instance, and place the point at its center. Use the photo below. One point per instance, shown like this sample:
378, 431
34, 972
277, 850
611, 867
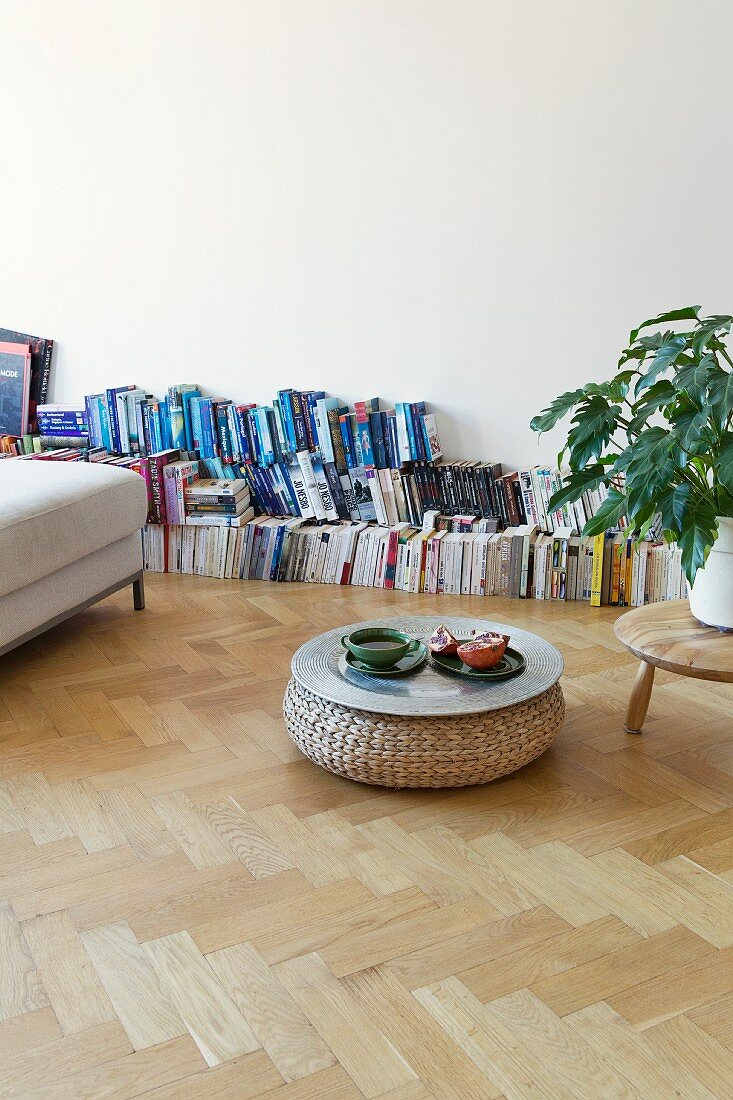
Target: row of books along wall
516, 563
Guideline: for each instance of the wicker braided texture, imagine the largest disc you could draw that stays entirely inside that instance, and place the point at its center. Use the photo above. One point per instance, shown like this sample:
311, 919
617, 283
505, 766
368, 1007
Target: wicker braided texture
421, 751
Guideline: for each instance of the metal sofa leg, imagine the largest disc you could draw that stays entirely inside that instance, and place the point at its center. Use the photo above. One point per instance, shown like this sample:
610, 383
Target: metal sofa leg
138, 593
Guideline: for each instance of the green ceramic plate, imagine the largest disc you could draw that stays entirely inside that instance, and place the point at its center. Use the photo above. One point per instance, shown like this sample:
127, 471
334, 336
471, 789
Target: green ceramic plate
410, 663
511, 664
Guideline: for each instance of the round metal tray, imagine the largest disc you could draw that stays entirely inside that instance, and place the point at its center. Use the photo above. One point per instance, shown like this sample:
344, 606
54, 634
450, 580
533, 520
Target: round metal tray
315, 666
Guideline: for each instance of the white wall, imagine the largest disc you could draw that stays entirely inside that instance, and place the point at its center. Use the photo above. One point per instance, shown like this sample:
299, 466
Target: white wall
469, 201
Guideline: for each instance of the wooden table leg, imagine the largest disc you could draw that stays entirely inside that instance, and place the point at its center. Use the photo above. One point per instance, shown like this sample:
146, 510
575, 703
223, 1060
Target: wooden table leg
640, 696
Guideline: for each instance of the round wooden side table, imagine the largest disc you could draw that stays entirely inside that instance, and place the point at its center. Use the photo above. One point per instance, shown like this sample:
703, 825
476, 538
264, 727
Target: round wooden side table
666, 635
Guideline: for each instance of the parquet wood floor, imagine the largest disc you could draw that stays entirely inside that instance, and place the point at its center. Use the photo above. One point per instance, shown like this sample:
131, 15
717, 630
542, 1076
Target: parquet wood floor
189, 908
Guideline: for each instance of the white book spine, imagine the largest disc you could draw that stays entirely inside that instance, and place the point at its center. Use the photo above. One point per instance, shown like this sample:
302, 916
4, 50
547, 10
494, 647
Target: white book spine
309, 479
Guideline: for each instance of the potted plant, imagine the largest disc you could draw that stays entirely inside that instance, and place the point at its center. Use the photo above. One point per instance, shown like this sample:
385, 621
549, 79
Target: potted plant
659, 436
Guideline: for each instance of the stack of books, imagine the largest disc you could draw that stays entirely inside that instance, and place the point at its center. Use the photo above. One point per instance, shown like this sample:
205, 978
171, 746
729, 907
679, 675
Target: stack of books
211, 501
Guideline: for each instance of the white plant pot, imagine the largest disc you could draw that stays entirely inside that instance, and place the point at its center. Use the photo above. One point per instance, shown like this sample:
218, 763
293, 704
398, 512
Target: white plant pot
711, 597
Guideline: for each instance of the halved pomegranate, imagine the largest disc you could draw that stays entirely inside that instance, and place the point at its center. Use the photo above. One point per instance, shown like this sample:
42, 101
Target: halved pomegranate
442, 641
485, 652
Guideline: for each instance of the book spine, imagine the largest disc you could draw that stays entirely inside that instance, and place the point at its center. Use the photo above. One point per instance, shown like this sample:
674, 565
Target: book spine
301, 434
597, 575
112, 419
347, 441
286, 405
410, 428
47, 355
223, 435
337, 442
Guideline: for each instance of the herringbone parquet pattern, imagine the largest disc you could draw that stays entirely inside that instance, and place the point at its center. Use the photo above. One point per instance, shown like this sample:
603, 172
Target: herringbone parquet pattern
191, 909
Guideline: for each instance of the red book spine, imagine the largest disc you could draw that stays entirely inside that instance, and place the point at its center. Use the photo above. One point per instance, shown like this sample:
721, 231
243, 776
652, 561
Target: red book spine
389, 572
144, 472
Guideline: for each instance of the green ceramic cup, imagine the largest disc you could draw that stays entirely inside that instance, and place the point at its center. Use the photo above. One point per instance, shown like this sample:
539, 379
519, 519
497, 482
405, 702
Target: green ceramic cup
379, 646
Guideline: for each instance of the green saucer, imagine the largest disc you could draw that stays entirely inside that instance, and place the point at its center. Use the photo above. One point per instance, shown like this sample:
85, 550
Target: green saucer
410, 663
511, 664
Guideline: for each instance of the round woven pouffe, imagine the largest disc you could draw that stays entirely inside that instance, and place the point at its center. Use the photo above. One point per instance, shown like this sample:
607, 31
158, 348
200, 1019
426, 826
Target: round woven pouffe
398, 751
428, 730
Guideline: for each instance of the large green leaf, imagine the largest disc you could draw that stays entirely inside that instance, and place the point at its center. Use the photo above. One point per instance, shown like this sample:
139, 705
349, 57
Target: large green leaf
559, 408
690, 427
577, 483
632, 353
725, 462
656, 397
651, 343
672, 504
608, 515
595, 422
720, 395
644, 450
699, 531
708, 327
692, 378
689, 313
618, 386
665, 356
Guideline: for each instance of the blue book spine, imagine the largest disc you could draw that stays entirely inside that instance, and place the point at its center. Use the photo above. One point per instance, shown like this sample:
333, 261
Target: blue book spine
277, 489
417, 410
323, 405
50, 422
166, 434
286, 405
187, 397
301, 432
114, 431
248, 474
207, 436
132, 427
96, 420
376, 425
223, 437
285, 473
263, 490
93, 437
280, 489
148, 435
175, 413
233, 432
215, 468
313, 399
394, 449
197, 439
406, 412
280, 427
254, 432
142, 442
49, 427
349, 454
157, 435
209, 425
243, 435
263, 428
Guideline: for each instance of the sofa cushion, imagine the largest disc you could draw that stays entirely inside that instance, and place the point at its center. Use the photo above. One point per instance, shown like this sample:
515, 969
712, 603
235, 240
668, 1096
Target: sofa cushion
54, 513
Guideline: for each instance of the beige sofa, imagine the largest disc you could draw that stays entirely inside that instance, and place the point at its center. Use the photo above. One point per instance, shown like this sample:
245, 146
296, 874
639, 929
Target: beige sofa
69, 536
